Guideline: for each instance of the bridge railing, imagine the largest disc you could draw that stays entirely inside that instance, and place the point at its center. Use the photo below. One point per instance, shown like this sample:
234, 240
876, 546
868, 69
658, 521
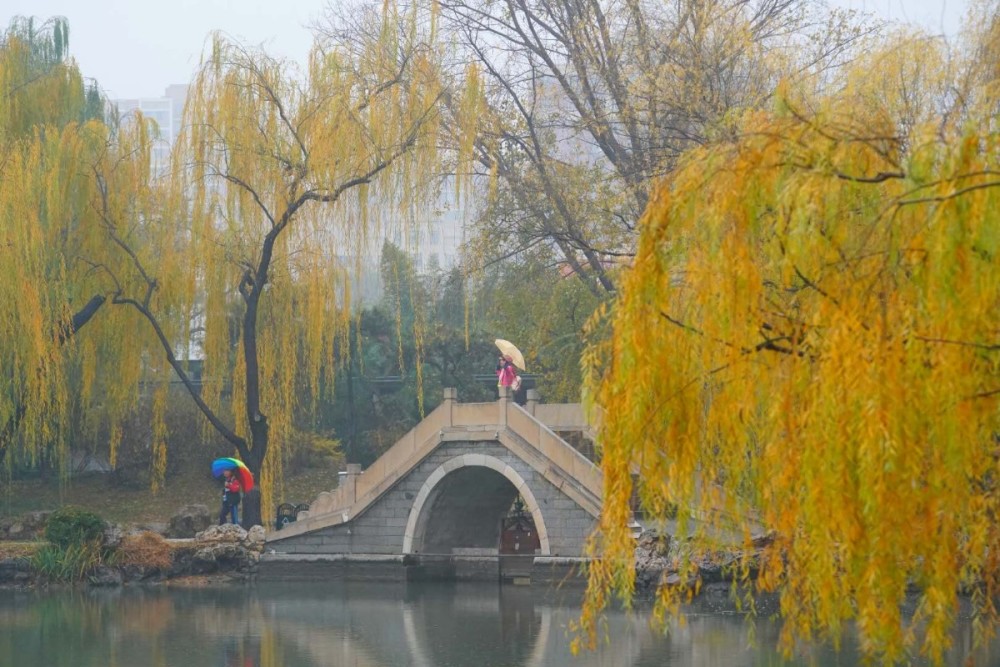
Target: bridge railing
405, 449
557, 450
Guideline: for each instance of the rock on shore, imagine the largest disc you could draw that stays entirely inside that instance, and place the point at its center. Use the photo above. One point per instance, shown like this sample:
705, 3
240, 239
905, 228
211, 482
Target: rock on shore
658, 556
652, 560
27, 527
189, 521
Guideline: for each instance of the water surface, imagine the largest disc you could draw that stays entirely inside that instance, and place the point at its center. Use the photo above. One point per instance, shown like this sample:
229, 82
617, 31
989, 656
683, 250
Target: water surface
372, 625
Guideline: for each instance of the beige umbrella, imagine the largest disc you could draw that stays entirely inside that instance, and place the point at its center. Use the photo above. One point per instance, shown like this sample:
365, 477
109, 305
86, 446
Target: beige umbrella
510, 350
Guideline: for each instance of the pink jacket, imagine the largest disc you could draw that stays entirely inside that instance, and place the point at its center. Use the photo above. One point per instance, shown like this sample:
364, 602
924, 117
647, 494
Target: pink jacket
506, 375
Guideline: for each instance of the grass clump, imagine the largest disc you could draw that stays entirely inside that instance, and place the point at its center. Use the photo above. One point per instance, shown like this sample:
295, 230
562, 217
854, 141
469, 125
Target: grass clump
147, 549
71, 563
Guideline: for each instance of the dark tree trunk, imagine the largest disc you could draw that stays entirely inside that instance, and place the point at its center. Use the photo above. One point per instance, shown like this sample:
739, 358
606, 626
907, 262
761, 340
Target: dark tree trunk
251, 509
257, 450
84, 315
257, 421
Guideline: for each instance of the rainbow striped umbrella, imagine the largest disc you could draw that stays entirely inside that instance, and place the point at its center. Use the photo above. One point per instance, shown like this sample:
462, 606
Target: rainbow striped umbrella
239, 469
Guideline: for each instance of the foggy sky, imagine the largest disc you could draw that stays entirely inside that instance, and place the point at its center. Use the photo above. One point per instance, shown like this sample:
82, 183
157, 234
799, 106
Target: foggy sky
135, 48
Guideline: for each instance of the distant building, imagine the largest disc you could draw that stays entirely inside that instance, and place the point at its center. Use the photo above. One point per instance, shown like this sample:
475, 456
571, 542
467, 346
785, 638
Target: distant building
166, 111
435, 238
176, 93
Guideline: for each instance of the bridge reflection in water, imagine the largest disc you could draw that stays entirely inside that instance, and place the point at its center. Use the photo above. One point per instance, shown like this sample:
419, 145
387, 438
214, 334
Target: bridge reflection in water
370, 625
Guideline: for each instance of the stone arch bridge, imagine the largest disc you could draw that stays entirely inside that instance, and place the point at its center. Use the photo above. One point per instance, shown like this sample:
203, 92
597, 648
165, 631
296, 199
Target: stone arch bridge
436, 502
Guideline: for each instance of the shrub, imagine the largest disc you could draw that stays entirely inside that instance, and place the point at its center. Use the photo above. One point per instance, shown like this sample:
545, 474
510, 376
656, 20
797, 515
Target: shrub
72, 526
146, 549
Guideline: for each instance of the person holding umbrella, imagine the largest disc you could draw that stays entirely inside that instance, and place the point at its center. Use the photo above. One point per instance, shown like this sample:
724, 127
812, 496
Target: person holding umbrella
236, 479
508, 362
231, 491
506, 373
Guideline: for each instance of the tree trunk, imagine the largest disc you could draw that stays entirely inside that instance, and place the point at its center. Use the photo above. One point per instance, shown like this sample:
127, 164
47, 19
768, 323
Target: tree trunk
251, 509
258, 422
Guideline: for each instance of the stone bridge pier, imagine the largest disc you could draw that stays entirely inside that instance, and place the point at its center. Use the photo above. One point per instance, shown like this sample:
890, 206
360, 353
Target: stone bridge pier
436, 502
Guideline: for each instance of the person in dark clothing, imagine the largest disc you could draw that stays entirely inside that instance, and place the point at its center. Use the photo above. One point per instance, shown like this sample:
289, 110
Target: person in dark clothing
230, 497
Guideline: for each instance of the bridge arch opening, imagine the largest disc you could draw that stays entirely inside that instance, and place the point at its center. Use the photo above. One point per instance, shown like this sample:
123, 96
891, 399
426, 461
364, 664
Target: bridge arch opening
461, 507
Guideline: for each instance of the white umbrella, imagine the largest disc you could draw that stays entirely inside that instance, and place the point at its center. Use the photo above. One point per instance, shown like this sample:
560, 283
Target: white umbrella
510, 350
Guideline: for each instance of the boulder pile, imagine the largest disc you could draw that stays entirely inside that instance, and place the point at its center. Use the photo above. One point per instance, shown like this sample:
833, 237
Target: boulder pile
228, 551
221, 549
24, 528
658, 556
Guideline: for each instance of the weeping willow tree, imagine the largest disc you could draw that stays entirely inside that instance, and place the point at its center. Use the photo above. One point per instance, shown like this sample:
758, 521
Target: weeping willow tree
278, 182
39, 83
808, 345
47, 136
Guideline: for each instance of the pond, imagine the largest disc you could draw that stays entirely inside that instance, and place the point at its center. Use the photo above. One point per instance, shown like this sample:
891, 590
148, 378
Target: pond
371, 625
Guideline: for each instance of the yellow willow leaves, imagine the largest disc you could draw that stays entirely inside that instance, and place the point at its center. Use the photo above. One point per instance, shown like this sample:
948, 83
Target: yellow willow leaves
37, 89
472, 108
807, 344
280, 183
159, 440
312, 165
69, 190
45, 196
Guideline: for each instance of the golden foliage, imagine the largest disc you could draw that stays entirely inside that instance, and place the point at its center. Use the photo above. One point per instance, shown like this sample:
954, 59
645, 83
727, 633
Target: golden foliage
279, 182
49, 254
807, 344
240, 250
38, 85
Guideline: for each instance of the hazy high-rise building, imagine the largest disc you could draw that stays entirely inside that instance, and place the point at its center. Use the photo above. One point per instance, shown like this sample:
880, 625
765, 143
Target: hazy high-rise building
434, 238
166, 111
